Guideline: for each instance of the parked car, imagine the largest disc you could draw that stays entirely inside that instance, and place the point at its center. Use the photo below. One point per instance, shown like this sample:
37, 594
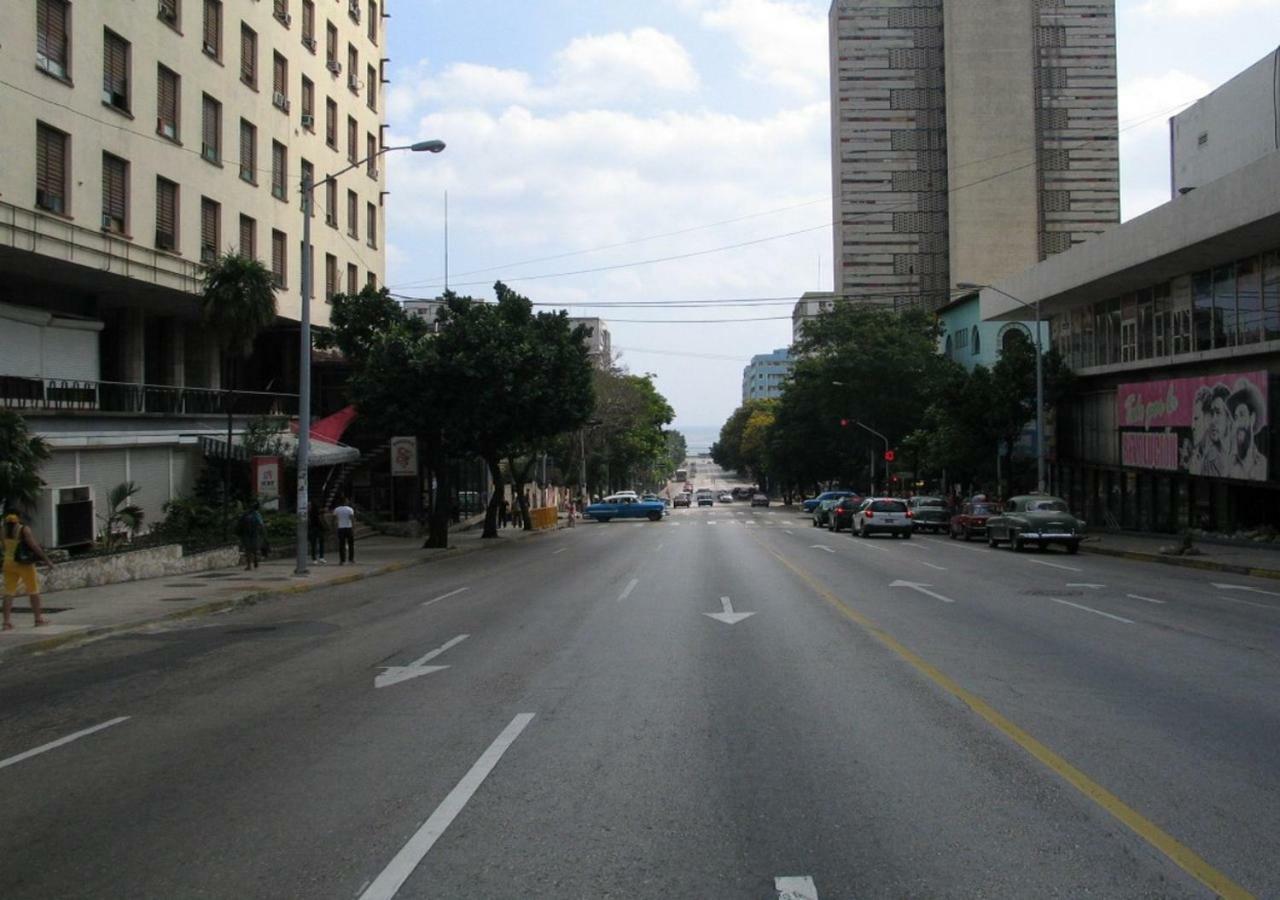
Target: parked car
822, 512
681, 500
1035, 518
812, 503
625, 506
742, 492
705, 497
971, 521
759, 499
929, 514
842, 513
887, 514
725, 497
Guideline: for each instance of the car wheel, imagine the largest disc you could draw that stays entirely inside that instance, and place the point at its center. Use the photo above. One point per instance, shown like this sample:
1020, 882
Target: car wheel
655, 516
862, 532
907, 535
991, 539
968, 535
1073, 547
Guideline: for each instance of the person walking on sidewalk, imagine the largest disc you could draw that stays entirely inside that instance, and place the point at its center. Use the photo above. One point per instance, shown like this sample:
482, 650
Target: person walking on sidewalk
315, 533
21, 550
252, 531
346, 517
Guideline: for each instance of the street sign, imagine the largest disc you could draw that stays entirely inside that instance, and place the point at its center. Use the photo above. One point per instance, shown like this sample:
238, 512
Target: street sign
888, 456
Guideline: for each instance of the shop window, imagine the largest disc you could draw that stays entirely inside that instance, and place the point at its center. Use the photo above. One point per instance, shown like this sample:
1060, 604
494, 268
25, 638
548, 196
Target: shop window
1271, 296
1202, 309
1248, 301
1224, 306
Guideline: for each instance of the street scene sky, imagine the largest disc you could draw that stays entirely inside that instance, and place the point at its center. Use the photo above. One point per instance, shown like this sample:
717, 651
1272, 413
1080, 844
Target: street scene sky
657, 164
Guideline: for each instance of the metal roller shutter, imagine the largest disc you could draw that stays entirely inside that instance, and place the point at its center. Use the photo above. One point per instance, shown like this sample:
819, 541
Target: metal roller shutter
149, 469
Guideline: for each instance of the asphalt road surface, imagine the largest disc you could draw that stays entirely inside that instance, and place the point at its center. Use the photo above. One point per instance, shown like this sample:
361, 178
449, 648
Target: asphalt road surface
728, 703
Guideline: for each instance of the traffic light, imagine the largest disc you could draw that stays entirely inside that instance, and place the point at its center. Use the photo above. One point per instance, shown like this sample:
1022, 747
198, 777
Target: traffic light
844, 423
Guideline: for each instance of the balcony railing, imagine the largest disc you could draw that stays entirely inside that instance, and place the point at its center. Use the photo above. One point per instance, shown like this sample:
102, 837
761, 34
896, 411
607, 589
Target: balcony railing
74, 395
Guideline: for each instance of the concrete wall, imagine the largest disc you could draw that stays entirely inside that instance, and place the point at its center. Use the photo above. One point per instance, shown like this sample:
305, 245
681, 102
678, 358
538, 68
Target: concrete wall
1230, 128
154, 562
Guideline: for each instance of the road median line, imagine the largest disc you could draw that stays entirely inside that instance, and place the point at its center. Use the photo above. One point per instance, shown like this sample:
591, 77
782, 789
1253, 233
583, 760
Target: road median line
1180, 854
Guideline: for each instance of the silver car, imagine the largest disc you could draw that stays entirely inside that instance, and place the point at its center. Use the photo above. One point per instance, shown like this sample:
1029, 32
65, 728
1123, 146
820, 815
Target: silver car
887, 514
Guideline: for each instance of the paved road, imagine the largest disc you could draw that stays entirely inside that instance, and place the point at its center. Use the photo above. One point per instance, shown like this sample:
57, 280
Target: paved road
996, 725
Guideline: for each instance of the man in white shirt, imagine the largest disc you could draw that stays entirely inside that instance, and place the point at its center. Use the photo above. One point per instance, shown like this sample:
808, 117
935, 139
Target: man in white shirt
346, 517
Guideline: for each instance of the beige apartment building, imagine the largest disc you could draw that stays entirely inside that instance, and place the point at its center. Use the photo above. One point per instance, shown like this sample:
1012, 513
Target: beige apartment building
143, 138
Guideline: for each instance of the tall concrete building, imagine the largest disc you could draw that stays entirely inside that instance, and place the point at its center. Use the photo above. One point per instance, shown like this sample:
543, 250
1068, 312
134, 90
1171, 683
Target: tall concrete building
970, 140
762, 378
144, 139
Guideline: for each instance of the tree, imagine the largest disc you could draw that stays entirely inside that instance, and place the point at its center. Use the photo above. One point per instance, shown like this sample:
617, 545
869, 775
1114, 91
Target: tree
21, 454
629, 442
122, 516
744, 439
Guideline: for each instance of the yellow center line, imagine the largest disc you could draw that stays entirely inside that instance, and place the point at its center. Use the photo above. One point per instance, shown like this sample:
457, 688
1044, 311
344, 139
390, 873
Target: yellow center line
1183, 856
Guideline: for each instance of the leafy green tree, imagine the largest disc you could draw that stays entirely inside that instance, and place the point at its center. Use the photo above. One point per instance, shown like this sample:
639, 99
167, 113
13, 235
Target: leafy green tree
21, 454
123, 517
677, 449
743, 445
238, 299
629, 443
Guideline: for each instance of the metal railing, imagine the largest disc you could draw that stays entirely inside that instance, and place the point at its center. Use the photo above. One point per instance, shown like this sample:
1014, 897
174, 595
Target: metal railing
76, 395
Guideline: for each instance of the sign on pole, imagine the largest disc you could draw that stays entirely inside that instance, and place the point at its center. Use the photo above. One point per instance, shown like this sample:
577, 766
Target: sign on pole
404, 456
266, 481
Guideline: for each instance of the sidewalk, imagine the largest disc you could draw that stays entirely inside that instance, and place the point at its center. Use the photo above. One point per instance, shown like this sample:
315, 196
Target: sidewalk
95, 611
1262, 561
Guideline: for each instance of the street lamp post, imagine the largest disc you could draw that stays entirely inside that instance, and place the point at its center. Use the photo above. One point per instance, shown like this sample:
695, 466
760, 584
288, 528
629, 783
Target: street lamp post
886, 449
969, 286
304, 342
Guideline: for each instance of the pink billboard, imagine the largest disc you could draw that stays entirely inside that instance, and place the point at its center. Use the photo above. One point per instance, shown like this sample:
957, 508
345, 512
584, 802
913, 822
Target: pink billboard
1215, 426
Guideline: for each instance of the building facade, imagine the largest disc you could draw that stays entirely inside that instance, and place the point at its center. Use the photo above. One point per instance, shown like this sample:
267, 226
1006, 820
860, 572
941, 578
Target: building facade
970, 341
763, 377
810, 305
969, 140
599, 340
137, 148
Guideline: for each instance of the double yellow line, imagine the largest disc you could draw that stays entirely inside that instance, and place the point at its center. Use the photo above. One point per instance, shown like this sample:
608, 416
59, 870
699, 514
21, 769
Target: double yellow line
1183, 856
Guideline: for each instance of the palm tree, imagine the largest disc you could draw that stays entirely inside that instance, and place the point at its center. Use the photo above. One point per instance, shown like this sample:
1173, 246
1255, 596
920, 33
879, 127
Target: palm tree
121, 514
21, 454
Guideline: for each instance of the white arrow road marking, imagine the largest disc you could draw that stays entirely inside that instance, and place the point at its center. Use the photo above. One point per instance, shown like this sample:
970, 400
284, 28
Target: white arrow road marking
728, 616
931, 565
795, 887
1242, 587
1097, 612
711, 521
626, 591
1084, 584
53, 745
822, 547
397, 674
1041, 562
922, 588
1270, 606
397, 872
452, 593
788, 531
1140, 597
561, 550
661, 544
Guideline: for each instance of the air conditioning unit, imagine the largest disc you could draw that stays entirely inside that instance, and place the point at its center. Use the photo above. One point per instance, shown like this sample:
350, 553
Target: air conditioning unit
309, 43
280, 100
353, 7
334, 66
208, 255
286, 20
308, 121
354, 83
168, 129
210, 49
46, 200
209, 152
164, 240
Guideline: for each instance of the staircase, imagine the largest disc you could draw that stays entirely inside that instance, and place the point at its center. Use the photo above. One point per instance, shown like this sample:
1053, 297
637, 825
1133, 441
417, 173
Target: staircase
338, 475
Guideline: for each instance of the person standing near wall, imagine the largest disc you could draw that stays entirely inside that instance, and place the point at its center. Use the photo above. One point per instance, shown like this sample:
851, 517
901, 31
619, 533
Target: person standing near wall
315, 533
21, 550
346, 517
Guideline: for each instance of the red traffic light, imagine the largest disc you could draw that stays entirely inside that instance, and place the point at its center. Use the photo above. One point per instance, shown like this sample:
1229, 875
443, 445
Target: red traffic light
844, 423
888, 457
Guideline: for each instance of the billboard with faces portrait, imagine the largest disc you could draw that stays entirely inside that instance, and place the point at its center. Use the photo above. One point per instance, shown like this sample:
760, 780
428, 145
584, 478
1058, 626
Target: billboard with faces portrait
1216, 426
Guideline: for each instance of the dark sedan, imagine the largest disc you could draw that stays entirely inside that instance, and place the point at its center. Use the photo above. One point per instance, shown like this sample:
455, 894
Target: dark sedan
971, 521
1035, 519
842, 513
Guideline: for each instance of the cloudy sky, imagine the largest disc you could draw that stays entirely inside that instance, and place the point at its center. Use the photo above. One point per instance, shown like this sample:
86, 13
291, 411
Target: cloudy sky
611, 151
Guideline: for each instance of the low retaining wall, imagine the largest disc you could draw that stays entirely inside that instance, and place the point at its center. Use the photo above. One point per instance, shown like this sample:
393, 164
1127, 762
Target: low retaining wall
544, 516
134, 565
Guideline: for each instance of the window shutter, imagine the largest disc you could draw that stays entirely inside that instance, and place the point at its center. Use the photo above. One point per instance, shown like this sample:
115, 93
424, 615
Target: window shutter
113, 187
277, 168
168, 94
51, 173
247, 161
279, 79
166, 211
212, 25
208, 225
248, 55
246, 237
51, 30
277, 257
210, 130
115, 75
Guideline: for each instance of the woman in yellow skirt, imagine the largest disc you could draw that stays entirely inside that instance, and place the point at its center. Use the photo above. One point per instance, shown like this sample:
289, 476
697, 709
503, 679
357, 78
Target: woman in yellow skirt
20, 577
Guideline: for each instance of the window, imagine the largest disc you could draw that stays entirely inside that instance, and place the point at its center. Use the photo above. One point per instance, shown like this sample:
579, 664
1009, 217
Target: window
280, 9
353, 214
170, 13
330, 276
371, 159
248, 56
115, 194
211, 130
248, 152
166, 215
331, 48
309, 25
1249, 300
279, 170
331, 204
975, 342
279, 257
371, 87
52, 47
210, 224
353, 68
115, 71
167, 93
308, 176
371, 225
353, 139
280, 82
308, 104
248, 237
370, 279
373, 21
1271, 295
1181, 306
1202, 309
331, 123
213, 28
1224, 306
51, 169
1160, 319
353, 279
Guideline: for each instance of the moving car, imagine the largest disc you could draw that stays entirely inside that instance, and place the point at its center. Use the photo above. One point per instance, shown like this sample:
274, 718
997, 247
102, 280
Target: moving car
888, 514
742, 492
842, 513
704, 497
725, 497
812, 503
929, 514
625, 506
972, 519
822, 512
1035, 518
759, 500
681, 500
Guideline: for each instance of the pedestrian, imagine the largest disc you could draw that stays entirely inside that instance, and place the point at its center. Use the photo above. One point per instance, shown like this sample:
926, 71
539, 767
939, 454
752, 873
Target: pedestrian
524, 510
504, 514
21, 550
315, 533
568, 503
346, 517
251, 530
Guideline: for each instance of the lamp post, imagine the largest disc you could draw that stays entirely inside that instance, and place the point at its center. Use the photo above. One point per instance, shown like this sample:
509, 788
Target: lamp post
304, 340
969, 286
886, 449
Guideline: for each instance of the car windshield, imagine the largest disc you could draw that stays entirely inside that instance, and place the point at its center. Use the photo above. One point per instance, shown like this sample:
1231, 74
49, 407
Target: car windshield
1046, 506
930, 503
888, 506
982, 509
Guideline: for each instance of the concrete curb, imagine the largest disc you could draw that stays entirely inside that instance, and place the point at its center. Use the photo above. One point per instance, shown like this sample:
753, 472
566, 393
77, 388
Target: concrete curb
1184, 562
251, 599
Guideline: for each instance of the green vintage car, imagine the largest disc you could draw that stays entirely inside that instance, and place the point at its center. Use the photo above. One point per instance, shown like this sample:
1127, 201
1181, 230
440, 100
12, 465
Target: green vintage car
1035, 519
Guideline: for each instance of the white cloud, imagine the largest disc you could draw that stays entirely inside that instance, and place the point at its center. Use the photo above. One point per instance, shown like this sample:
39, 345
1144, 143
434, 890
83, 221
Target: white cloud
641, 59
1194, 8
785, 42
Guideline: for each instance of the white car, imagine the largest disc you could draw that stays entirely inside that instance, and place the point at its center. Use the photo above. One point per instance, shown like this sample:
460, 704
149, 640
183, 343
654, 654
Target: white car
882, 514
725, 497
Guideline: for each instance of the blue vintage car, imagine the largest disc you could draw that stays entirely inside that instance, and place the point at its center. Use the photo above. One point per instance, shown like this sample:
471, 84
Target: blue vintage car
625, 506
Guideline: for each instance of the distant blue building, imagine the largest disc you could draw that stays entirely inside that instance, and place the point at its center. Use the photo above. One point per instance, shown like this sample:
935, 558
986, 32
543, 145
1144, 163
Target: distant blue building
970, 341
763, 376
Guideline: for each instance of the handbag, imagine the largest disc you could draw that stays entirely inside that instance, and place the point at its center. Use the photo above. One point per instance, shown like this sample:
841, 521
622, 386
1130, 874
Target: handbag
22, 554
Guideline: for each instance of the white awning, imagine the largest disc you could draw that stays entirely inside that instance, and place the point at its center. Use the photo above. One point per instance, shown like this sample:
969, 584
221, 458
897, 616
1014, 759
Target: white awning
320, 453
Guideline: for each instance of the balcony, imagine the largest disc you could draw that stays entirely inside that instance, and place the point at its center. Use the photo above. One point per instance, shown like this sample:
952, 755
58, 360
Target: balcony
64, 395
